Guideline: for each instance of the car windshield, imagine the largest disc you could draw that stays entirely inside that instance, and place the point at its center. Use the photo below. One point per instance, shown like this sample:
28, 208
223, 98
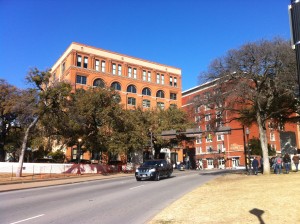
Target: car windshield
151, 163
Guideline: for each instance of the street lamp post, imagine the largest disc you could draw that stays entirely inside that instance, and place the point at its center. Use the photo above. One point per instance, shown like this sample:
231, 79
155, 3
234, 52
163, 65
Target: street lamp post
248, 148
79, 155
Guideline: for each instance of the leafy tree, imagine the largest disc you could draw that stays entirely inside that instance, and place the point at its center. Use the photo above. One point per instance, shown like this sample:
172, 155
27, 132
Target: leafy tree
255, 147
43, 99
256, 83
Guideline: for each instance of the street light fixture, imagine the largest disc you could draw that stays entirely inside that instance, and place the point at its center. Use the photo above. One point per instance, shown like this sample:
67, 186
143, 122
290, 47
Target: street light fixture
79, 150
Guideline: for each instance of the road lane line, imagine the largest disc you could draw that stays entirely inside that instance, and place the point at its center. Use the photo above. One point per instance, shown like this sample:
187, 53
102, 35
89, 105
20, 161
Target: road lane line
24, 220
136, 187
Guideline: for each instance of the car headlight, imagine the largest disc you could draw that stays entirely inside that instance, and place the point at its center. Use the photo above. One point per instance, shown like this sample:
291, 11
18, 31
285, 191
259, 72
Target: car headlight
152, 170
136, 170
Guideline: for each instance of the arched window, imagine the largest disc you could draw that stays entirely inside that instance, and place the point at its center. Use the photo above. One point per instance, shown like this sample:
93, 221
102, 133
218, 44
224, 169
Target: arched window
160, 94
131, 89
146, 91
116, 86
99, 83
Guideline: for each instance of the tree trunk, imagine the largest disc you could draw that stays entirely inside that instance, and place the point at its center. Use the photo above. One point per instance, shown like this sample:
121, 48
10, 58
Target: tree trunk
24, 143
264, 145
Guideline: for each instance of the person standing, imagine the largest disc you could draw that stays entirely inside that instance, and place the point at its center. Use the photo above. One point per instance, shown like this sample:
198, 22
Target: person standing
278, 164
296, 161
255, 165
262, 165
287, 162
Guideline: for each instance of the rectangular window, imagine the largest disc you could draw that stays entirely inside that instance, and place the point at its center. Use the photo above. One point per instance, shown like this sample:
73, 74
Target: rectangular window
131, 101
146, 103
129, 72
220, 148
81, 79
207, 127
63, 67
207, 117
198, 140
97, 63
85, 62
103, 64
173, 96
144, 75
149, 76
162, 79
119, 70
175, 81
171, 81
78, 61
198, 150
157, 78
220, 137
161, 105
114, 67
272, 136
134, 73
197, 118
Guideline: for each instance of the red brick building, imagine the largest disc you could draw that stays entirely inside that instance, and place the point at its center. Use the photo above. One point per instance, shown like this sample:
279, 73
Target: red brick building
226, 146
141, 83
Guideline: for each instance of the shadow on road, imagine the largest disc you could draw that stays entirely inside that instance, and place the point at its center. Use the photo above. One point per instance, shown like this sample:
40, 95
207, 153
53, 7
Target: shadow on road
220, 172
257, 212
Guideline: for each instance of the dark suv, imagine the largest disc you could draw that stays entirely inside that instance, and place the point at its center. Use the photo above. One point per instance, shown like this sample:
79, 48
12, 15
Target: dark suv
154, 169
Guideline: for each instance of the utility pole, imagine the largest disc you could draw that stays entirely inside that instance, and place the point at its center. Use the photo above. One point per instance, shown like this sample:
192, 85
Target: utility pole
294, 14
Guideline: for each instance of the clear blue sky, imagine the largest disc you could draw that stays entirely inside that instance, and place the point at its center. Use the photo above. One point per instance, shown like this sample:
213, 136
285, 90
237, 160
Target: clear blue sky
186, 34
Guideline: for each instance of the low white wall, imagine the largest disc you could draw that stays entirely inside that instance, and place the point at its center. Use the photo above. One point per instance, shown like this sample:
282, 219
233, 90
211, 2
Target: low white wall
36, 168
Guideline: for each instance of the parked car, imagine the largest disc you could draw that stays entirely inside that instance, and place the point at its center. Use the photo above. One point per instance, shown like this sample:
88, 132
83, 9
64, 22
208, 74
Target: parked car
154, 169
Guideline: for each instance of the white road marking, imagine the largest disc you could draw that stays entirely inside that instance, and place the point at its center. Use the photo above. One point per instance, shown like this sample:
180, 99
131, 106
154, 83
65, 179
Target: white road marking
136, 187
24, 220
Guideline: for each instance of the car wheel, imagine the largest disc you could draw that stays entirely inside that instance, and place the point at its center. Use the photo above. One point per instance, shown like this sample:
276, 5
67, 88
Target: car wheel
138, 179
169, 174
157, 176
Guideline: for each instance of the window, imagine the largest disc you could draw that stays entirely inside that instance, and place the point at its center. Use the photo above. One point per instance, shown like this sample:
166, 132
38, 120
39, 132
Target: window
119, 70
272, 136
99, 83
97, 63
207, 127
131, 89
207, 117
146, 103
134, 73
160, 94
81, 79
175, 81
144, 76
197, 118
146, 91
149, 76
78, 61
161, 105
173, 96
220, 148
63, 67
103, 64
197, 109
131, 101
209, 138
172, 105
157, 78
114, 67
220, 137
198, 140
116, 86
171, 81
162, 79
198, 150
85, 62
129, 72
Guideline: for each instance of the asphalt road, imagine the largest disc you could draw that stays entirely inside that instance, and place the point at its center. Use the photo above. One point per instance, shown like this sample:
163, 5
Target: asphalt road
122, 200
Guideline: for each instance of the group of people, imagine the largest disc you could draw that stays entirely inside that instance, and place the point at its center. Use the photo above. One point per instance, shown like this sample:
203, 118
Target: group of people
278, 163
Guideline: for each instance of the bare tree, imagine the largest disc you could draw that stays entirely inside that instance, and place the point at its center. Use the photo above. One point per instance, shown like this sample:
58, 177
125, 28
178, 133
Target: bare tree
255, 84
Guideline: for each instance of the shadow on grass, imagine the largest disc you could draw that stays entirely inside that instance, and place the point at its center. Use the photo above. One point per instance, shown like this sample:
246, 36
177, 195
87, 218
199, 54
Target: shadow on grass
220, 172
258, 213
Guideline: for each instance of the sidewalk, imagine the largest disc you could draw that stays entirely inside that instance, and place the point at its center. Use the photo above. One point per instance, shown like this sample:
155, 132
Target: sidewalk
29, 182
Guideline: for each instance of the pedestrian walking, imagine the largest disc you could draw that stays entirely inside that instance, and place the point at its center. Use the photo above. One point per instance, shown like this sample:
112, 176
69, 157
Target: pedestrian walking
278, 164
255, 165
262, 164
296, 161
287, 162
